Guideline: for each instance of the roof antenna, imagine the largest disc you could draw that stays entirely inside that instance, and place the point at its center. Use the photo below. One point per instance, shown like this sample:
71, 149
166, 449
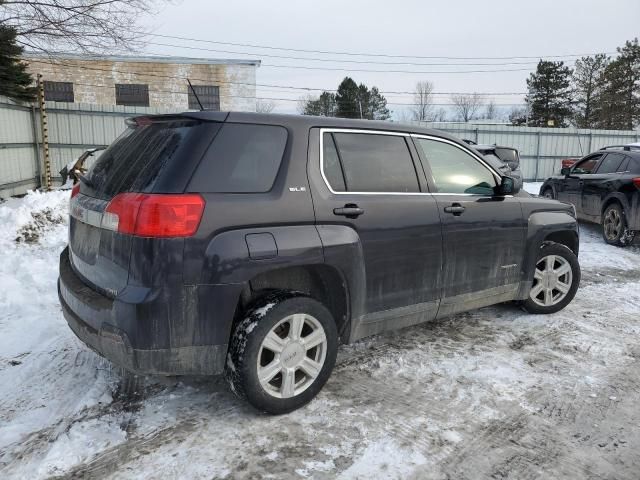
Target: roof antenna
195, 95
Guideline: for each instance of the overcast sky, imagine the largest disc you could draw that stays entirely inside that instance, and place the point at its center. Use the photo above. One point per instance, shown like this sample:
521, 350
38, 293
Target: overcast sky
489, 28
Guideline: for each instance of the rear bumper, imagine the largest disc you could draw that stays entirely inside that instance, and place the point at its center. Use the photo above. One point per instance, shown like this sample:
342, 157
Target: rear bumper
110, 327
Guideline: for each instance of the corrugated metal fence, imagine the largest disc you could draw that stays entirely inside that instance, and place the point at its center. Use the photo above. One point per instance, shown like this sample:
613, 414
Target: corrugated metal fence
73, 128
541, 149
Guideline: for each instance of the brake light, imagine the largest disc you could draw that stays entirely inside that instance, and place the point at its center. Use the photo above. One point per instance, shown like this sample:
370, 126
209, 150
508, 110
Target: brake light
636, 182
75, 190
154, 215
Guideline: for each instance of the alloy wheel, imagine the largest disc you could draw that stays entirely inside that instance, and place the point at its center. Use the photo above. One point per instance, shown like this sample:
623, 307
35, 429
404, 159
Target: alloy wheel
551, 281
292, 355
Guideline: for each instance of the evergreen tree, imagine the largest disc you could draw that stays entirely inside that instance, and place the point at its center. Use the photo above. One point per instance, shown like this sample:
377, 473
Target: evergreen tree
323, 106
15, 81
588, 79
550, 96
347, 99
377, 106
618, 105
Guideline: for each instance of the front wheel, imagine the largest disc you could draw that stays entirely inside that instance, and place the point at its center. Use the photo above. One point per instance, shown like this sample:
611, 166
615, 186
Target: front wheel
282, 353
614, 226
555, 279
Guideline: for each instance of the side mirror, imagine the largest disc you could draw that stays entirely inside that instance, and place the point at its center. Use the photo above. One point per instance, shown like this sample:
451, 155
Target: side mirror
566, 171
507, 186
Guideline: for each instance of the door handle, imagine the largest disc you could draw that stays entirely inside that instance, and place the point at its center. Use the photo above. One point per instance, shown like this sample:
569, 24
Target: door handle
456, 209
350, 210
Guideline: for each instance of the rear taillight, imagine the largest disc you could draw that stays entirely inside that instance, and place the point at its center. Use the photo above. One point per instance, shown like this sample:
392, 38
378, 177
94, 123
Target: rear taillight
75, 190
154, 215
636, 182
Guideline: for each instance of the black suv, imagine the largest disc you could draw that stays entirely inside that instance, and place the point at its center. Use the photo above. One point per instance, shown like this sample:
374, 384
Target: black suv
254, 244
604, 187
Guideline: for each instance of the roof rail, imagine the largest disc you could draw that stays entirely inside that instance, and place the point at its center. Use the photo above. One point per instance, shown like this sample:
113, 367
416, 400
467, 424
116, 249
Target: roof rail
621, 147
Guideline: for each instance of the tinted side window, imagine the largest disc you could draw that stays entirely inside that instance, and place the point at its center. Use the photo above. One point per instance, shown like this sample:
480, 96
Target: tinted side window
611, 163
376, 163
587, 165
633, 165
331, 164
456, 171
243, 158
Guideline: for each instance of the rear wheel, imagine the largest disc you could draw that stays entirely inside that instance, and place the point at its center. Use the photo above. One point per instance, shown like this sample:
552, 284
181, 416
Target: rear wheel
555, 279
282, 353
548, 193
614, 226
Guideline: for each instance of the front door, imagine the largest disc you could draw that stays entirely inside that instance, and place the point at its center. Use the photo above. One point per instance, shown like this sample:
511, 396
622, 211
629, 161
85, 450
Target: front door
570, 188
483, 234
368, 182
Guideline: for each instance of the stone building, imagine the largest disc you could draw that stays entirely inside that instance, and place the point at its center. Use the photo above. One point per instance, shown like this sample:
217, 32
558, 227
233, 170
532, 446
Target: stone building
160, 82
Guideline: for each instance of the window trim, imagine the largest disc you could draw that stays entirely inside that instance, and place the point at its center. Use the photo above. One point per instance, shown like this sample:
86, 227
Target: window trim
497, 177
368, 132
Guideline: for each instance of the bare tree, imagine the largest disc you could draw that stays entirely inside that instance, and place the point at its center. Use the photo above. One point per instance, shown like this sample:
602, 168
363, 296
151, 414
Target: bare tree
467, 106
264, 106
423, 101
440, 115
88, 26
490, 110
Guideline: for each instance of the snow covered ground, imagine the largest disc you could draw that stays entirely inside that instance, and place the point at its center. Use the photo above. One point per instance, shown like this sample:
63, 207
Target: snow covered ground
494, 393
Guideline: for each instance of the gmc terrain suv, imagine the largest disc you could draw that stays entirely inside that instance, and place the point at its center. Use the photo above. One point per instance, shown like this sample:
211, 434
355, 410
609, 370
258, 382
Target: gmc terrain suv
254, 244
604, 187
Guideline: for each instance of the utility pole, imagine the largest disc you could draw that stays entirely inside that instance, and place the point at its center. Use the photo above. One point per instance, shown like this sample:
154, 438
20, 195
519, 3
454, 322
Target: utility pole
44, 130
360, 104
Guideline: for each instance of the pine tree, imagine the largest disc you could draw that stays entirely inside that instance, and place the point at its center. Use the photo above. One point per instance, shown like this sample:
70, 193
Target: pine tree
550, 96
347, 99
588, 79
618, 106
323, 106
377, 106
15, 81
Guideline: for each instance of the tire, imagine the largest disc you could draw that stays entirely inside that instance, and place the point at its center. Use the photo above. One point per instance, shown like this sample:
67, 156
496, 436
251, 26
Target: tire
614, 226
287, 385
563, 260
548, 193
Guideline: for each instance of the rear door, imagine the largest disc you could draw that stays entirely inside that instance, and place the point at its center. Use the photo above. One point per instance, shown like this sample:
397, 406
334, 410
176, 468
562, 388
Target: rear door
597, 185
369, 181
483, 234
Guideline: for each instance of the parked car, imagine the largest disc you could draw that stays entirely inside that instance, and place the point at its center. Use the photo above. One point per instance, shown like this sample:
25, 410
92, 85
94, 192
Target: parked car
255, 244
505, 159
604, 187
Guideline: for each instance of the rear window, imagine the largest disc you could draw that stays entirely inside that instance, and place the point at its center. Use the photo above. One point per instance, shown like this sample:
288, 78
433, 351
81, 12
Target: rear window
243, 158
634, 165
508, 155
134, 161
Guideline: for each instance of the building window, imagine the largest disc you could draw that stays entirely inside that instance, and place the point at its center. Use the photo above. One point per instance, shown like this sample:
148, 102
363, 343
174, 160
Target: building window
132, 94
209, 96
58, 91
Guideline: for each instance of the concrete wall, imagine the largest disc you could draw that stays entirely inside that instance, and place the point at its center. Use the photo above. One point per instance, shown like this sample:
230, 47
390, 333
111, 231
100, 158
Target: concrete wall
94, 80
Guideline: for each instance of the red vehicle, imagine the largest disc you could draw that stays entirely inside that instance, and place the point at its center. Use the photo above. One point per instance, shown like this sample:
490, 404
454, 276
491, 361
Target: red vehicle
568, 162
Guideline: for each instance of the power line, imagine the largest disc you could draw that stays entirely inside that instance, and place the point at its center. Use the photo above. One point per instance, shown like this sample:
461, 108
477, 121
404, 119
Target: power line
185, 92
363, 54
308, 89
333, 60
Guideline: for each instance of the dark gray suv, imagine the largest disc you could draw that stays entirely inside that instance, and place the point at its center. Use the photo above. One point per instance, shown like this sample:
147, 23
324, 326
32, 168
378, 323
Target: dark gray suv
254, 244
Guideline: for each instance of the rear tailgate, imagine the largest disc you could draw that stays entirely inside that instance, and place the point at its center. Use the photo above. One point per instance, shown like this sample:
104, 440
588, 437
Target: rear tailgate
154, 155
